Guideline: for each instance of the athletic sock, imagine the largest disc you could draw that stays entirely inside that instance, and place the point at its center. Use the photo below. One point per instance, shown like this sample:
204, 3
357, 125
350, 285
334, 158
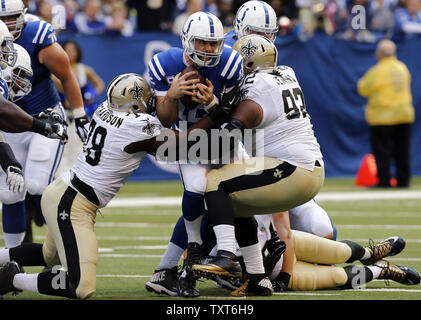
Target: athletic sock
225, 237
253, 259
171, 257
26, 282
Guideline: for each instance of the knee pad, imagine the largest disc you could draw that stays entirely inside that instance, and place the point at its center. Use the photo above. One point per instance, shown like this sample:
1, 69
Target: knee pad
8, 197
35, 187
197, 185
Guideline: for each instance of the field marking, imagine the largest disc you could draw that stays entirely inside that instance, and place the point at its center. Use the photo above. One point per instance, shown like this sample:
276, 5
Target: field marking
385, 290
133, 225
323, 196
378, 226
304, 294
115, 255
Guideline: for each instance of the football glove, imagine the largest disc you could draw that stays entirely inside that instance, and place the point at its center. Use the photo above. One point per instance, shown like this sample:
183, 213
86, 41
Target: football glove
53, 125
220, 112
281, 282
82, 127
276, 249
14, 179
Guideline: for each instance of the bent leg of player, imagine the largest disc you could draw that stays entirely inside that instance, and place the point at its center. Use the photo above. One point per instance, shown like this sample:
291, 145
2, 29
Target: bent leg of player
310, 217
13, 203
254, 186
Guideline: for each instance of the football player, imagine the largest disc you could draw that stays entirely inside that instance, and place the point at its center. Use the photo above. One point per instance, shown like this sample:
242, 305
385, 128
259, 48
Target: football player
40, 156
12, 118
290, 173
70, 203
203, 47
316, 256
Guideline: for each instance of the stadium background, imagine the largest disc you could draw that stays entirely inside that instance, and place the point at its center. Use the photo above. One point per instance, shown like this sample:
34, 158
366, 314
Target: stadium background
328, 59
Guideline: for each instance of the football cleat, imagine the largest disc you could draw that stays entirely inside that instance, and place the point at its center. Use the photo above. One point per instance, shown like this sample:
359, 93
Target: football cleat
404, 275
187, 286
230, 285
387, 247
7, 273
255, 285
224, 265
164, 281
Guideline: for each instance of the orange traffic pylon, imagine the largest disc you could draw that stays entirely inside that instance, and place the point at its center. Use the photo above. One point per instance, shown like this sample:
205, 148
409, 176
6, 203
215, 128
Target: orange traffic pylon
367, 173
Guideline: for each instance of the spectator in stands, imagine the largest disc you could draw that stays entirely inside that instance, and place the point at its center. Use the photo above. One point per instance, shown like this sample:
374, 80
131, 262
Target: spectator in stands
117, 22
153, 14
225, 14
407, 20
383, 20
389, 113
90, 83
90, 21
192, 7
285, 8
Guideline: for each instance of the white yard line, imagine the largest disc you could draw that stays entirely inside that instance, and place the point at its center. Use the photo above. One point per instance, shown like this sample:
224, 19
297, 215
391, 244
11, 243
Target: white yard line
324, 196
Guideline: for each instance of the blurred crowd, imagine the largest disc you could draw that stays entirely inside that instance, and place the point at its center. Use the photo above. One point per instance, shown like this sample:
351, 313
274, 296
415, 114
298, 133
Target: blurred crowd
359, 20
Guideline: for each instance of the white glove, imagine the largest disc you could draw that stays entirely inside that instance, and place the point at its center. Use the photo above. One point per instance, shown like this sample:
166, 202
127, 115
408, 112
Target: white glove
14, 179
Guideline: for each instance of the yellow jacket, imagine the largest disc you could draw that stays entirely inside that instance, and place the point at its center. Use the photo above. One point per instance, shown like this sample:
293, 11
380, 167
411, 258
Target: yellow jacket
387, 85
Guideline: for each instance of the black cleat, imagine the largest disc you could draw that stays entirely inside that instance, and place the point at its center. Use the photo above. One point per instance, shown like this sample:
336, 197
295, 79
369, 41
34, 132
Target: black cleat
7, 273
387, 247
255, 285
187, 286
404, 275
164, 281
230, 285
224, 265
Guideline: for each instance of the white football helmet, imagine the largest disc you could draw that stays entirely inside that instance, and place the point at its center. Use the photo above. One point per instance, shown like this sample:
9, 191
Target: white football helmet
16, 76
13, 9
256, 17
130, 92
7, 52
201, 26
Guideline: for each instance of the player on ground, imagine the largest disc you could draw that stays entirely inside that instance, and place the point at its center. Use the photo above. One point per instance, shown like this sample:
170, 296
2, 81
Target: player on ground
39, 156
203, 48
315, 259
70, 203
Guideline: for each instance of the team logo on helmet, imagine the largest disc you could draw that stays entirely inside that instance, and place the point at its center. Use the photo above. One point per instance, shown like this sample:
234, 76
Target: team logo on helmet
136, 92
249, 49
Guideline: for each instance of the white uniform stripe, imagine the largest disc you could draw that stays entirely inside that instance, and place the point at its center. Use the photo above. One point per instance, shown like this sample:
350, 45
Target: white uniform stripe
44, 34
151, 67
161, 71
41, 25
239, 59
227, 66
111, 85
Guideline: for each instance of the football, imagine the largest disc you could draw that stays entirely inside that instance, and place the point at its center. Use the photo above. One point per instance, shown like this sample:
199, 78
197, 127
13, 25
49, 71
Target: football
187, 99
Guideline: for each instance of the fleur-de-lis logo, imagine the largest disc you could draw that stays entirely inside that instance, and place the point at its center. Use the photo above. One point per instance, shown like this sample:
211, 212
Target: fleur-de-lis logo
278, 173
149, 128
136, 92
63, 215
249, 49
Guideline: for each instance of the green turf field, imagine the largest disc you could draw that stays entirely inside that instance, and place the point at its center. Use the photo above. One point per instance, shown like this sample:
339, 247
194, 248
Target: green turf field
132, 240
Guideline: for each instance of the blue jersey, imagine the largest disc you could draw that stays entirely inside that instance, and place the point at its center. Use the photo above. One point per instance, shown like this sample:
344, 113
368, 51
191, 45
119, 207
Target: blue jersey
230, 38
164, 66
36, 36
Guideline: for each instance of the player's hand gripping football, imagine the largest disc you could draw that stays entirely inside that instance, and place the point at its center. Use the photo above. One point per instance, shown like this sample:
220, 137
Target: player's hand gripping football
205, 93
55, 126
180, 86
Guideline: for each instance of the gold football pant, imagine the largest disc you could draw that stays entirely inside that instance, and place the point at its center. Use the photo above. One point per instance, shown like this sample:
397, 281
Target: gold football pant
70, 220
263, 185
313, 268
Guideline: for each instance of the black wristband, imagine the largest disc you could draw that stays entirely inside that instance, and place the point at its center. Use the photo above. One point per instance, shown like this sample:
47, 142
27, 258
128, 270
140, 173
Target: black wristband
284, 277
7, 157
39, 126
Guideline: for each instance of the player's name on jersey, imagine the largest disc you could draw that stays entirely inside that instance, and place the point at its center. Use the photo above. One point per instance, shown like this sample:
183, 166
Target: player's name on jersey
106, 115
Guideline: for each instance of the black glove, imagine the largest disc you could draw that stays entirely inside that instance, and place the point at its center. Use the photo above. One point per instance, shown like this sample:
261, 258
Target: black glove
50, 124
82, 127
276, 249
280, 284
220, 113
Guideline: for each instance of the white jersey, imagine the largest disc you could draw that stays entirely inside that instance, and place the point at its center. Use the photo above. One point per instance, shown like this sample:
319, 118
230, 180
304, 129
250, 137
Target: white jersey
287, 131
103, 164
